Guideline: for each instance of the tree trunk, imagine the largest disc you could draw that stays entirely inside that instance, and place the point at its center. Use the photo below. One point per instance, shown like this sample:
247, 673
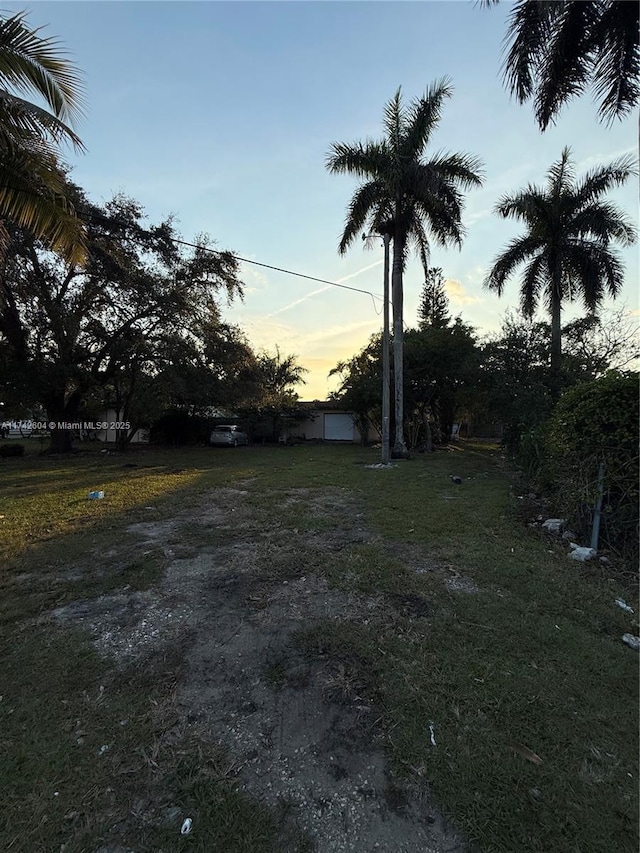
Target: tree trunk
61, 414
399, 446
556, 341
428, 441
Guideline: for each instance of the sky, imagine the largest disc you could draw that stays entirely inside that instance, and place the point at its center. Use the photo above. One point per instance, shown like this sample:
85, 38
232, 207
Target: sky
222, 113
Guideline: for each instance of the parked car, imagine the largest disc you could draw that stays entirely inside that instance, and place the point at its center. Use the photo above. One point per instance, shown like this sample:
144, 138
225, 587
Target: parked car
228, 436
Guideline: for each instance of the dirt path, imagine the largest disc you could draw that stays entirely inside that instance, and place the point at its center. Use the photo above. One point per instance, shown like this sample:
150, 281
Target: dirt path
297, 730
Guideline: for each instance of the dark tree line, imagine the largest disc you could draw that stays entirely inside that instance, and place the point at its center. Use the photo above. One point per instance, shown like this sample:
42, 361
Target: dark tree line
452, 375
137, 328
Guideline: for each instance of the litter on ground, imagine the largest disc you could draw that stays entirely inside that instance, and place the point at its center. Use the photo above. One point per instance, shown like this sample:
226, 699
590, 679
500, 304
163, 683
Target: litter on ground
581, 554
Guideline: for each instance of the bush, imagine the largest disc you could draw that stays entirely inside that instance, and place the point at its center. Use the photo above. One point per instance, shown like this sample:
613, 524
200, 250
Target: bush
179, 428
597, 423
11, 450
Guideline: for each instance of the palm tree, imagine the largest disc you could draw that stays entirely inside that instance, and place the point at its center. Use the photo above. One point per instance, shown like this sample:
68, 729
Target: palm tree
407, 195
556, 49
279, 375
32, 184
566, 248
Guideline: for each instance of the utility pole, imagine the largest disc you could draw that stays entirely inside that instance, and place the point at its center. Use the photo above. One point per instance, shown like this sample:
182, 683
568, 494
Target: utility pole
385, 233
386, 368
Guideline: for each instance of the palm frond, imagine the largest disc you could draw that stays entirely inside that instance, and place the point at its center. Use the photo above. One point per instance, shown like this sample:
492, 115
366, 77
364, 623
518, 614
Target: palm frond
424, 182
518, 251
31, 168
24, 120
368, 202
567, 244
463, 170
566, 58
554, 50
444, 222
529, 27
418, 237
423, 117
368, 160
33, 196
616, 79
600, 180
393, 121
598, 270
48, 218
531, 205
421, 198
30, 63
604, 221
534, 280
561, 175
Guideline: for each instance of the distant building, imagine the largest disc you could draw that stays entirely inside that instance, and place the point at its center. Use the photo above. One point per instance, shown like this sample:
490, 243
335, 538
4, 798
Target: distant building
327, 422
112, 433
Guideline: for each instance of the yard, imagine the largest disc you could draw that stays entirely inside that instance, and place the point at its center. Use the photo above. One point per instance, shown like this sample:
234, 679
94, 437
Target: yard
300, 652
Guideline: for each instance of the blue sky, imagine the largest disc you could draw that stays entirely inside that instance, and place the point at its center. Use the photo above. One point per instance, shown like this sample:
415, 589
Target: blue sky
223, 113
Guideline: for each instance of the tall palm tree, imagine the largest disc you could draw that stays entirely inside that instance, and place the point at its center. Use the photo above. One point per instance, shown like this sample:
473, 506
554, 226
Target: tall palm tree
557, 49
408, 195
566, 248
32, 184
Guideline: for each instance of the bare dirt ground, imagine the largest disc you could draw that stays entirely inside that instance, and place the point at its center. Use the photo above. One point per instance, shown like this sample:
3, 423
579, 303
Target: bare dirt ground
297, 730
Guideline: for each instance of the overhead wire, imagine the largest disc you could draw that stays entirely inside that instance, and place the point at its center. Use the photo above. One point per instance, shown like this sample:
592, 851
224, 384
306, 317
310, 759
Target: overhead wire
373, 296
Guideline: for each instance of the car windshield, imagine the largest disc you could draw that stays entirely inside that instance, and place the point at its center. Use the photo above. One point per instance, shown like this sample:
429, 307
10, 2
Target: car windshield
224, 429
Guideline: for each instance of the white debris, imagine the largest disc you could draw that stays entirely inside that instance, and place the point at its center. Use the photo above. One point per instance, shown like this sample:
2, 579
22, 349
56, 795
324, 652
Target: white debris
623, 604
581, 554
432, 734
382, 465
631, 641
185, 829
554, 525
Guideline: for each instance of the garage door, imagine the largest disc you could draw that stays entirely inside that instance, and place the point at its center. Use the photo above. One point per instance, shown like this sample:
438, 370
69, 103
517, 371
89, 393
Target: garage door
338, 427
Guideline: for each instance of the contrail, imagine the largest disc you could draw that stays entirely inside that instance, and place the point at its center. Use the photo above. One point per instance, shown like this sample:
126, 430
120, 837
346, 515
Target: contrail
357, 272
322, 289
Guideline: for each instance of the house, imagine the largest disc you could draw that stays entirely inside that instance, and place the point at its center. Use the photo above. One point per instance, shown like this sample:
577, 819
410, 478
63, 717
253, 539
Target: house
111, 427
326, 422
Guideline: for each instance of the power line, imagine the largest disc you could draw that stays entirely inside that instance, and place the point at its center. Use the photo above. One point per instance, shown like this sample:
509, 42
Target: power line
373, 296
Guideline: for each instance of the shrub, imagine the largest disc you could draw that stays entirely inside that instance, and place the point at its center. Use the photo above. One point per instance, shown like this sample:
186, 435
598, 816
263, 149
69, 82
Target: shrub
595, 423
179, 428
11, 450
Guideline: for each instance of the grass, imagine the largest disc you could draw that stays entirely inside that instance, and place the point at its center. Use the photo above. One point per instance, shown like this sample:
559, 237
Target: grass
59, 787
530, 692
106, 749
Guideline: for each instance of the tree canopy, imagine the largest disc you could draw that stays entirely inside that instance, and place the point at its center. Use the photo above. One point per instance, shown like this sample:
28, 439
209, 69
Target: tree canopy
433, 308
139, 308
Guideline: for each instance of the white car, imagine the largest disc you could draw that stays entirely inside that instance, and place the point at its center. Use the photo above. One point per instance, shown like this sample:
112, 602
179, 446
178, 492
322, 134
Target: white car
228, 436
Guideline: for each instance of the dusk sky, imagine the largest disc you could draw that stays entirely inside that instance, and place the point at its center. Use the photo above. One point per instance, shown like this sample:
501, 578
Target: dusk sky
223, 114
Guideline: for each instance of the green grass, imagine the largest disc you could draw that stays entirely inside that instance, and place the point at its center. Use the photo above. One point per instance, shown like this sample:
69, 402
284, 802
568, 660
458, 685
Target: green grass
61, 704
105, 747
533, 661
